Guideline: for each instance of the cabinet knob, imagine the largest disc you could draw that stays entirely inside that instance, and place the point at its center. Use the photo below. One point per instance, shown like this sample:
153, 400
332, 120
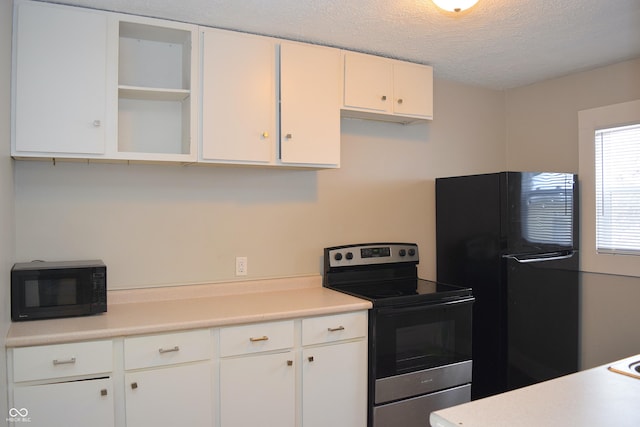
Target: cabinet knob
339, 328
384, 97
399, 100
134, 386
262, 338
97, 123
265, 134
289, 362
288, 136
103, 392
310, 358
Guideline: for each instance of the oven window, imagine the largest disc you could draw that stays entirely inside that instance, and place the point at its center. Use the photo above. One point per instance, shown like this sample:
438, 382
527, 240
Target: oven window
417, 338
424, 345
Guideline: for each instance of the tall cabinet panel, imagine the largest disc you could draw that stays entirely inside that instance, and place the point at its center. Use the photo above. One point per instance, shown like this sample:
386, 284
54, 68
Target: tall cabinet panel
60, 80
238, 92
309, 104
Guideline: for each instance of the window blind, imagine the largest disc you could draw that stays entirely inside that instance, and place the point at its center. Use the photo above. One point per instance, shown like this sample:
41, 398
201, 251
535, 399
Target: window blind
617, 158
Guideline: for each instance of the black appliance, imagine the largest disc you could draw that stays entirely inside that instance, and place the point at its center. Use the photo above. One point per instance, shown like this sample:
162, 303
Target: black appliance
513, 238
419, 331
44, 290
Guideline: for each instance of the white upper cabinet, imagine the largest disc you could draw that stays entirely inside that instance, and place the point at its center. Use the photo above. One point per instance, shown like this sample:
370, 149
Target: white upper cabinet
385, 89
238, 97
241, 93
309, 105
92, 84
368, 83
157, 108
60, 65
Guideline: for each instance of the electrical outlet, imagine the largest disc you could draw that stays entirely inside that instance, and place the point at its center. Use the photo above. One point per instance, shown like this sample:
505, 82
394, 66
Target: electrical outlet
241, 266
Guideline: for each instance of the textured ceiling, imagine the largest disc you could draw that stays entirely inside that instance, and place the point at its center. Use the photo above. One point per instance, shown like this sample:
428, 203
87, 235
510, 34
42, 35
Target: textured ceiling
497, 44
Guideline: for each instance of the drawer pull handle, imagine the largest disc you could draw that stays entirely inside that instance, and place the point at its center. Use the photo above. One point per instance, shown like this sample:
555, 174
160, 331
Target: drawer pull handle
262, 338
103, 392
339, 328
289, 362
168, 350
310, 358
71, 361
134, 386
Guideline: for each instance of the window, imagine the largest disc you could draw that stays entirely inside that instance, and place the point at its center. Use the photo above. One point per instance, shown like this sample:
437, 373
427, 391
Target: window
617, 163
609, 182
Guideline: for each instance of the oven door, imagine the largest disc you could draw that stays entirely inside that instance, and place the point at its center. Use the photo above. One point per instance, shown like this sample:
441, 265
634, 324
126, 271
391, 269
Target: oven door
424, 340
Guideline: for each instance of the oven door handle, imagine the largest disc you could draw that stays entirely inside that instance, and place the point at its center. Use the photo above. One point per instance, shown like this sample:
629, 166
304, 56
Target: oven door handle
448, 302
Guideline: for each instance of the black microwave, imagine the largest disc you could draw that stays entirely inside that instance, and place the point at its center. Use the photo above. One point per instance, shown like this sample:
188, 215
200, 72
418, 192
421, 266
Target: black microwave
44, 290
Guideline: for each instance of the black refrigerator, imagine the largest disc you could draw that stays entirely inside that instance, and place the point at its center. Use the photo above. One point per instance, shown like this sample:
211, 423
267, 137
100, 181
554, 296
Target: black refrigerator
513, 238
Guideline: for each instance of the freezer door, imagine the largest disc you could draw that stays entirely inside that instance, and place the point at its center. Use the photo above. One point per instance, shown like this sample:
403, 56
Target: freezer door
539, 212
542, 317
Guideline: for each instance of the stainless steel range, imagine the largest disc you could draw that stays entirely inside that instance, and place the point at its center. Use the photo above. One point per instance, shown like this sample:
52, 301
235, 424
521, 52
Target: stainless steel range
419, 331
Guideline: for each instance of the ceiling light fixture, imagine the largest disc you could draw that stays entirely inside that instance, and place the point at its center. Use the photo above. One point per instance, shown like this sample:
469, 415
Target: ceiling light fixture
455, 5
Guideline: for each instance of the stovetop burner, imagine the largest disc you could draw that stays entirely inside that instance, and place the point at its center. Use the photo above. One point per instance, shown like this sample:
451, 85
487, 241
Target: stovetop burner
385, 274
399, 292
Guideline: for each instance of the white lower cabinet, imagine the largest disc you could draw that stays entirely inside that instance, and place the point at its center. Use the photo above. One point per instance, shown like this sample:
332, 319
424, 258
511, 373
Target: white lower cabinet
303, 372
64, 404
258, 390
64, 385
168, 379
171, 396
258, 385
334, 371
334, 379
257, 375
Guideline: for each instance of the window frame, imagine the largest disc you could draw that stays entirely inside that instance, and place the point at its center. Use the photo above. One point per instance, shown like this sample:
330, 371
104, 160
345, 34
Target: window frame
626, 113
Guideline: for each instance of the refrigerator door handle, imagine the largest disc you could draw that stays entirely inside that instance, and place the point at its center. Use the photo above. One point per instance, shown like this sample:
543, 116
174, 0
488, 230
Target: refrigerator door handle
554, 257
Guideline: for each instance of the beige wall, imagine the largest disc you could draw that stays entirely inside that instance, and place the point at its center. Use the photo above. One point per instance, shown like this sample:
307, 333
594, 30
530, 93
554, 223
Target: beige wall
166, 224
6, 194
542, 119
542, 134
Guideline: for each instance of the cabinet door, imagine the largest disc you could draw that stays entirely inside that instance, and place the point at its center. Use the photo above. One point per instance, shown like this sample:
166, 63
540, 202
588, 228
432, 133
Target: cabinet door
68, 404
309, 104
258, 391
334, 385
238, 97
175, 396
368, 82
60, 83
413, 90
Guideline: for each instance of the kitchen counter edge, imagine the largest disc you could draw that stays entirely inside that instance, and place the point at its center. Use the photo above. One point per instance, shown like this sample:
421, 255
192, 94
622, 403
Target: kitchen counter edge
161, 310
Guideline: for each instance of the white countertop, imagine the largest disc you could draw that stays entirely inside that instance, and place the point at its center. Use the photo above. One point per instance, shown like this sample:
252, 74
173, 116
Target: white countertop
154, 310
595, 397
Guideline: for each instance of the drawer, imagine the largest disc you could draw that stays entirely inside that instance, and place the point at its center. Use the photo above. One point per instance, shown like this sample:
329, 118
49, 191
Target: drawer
336, 327
167, 349
254, 338
62, 360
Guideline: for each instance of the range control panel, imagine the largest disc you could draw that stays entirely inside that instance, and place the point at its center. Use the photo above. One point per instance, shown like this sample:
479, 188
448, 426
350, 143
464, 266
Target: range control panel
370, 254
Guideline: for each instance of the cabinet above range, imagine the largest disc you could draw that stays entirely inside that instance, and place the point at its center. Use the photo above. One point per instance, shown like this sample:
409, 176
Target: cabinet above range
102, 86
